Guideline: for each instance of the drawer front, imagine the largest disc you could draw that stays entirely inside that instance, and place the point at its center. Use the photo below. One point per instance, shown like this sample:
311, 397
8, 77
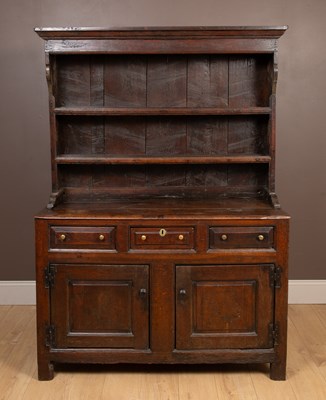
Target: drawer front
158, 238
226, 237
82, 237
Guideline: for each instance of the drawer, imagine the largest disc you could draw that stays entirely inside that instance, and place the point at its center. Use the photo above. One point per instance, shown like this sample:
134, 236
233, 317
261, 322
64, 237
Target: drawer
226, 237
82, 237
159, 238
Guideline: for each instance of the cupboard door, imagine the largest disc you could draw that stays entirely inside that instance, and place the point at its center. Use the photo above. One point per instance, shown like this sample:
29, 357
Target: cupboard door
100, 306
224, 306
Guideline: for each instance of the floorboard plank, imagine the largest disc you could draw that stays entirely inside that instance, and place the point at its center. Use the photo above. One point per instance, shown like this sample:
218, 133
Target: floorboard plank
305, 373
197, 385
312, 334
18, 363
234, 382
320, 310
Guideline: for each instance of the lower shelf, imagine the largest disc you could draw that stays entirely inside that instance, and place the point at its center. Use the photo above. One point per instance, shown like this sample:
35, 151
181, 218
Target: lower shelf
71, 198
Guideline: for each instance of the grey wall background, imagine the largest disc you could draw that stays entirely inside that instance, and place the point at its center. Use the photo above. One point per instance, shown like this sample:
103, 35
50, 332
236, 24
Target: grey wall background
301, 110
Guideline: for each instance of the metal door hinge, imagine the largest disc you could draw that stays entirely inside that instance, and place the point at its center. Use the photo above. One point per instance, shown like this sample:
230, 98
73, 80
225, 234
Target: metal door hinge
273, 333
50, 336
49, 274
275, 277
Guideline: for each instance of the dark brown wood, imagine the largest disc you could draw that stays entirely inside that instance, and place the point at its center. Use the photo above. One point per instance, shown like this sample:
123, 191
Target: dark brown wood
223, 306
93, 159
229, 45
161, 111
157, 238
68, 237
100, 306
238, 237
125, 82
150, 32
163, 241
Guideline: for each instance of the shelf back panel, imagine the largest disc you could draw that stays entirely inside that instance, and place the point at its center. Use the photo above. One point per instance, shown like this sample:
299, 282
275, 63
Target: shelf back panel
162, 136
164, 80
104, 181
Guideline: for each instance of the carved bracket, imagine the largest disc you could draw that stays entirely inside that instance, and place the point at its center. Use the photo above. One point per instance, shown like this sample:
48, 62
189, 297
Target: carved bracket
274, 200
275, 71
271, 197
48, 72
55, 198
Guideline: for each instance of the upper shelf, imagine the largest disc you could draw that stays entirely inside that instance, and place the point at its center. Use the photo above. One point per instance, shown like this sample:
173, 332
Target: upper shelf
100, 111
96, 159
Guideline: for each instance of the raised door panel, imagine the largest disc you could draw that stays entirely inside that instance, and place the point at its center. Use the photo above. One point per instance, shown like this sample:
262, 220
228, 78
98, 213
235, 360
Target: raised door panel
100, 306
223, 306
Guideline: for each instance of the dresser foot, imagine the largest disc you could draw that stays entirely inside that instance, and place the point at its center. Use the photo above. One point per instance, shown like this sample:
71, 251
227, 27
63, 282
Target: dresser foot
278, 371
45, 371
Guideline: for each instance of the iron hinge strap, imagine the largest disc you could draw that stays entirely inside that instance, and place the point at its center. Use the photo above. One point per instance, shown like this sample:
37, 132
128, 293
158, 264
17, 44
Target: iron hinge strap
273, 333
50, 336
275, 277
49, 274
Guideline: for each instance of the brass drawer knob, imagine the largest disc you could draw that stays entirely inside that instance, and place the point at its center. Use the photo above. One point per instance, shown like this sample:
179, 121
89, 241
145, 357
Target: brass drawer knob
143, 237
260, 237
62, 237
181, 237
101, 237
224, 237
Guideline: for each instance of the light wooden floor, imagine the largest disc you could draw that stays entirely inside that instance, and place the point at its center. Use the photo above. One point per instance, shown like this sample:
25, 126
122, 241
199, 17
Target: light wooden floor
306, 369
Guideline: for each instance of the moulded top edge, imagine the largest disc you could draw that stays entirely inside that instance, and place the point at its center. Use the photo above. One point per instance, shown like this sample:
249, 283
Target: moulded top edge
180, 31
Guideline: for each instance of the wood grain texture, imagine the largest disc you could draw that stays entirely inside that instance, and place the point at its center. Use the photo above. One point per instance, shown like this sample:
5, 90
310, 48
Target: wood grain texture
218, 307
125, 81
96, 81
207, 136
247, 135
125, 136
248, 78
73, 81
121, 317
81, 135
166, 81
166, 136
207, 81
162, 180
207, 176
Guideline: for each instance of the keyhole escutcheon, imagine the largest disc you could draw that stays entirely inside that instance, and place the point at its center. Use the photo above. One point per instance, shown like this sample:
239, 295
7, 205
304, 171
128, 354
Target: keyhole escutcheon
162, 232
